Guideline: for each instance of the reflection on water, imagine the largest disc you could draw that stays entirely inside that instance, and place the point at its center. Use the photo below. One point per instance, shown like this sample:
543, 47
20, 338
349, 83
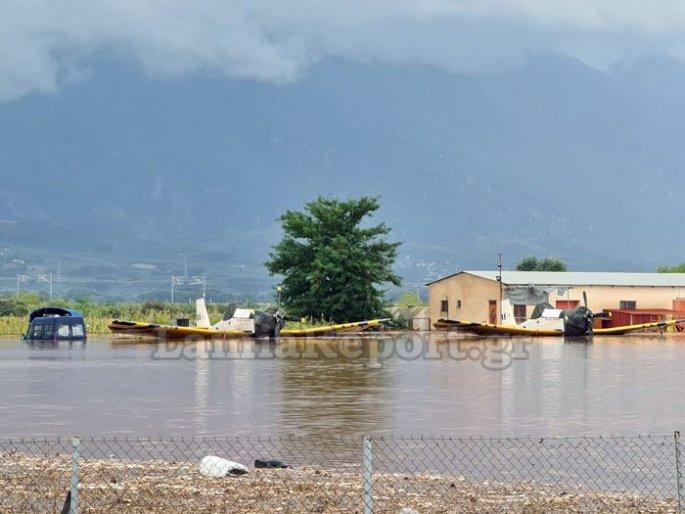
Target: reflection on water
400, 384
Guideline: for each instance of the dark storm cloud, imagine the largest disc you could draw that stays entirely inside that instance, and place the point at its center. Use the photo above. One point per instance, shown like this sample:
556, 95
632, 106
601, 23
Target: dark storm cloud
43, 42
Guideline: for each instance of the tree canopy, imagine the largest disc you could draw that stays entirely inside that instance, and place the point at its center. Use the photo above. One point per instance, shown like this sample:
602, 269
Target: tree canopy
678, 268
331, 264
532, 263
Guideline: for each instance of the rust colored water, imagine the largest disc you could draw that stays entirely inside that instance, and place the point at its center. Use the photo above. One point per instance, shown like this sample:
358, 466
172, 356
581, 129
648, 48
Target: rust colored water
398, 384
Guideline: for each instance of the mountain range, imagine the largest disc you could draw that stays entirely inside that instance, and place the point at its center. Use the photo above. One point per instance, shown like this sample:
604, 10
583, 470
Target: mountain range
121, 179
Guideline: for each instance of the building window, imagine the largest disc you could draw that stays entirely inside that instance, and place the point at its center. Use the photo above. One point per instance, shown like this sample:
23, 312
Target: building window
458, 304
628, 304
520, 313
443, 306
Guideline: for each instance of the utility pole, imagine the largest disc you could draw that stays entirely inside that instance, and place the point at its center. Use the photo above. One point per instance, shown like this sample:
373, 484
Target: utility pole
47, 279
200, 280
21, 279
499, 279
175, 281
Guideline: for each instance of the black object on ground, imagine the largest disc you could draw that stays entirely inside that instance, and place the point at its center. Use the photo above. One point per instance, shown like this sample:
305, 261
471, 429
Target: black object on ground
266, 463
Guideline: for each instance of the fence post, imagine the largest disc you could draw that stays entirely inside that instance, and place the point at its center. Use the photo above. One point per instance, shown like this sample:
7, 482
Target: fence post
73, 506
367, 466
678, 472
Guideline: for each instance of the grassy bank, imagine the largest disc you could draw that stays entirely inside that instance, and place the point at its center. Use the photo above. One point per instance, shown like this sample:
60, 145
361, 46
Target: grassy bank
16, 325
14, 312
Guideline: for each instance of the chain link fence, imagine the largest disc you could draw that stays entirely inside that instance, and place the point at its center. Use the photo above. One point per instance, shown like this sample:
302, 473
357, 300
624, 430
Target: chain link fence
380, 474
35, 474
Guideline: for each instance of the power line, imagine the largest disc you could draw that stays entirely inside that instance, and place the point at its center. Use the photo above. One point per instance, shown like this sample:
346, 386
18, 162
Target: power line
196, 280
47, 278
24, 280
175, 281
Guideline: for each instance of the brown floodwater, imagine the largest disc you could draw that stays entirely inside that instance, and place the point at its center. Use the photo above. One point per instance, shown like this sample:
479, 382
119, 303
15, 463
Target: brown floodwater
408, 383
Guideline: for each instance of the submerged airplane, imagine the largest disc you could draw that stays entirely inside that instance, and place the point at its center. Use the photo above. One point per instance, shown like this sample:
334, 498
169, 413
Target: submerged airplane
243, 323
548, 321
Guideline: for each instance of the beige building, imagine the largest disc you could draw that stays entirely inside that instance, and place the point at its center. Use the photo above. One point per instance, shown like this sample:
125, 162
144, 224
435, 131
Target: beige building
474, 295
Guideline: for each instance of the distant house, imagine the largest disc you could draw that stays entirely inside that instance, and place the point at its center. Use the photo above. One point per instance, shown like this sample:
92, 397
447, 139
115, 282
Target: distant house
474, 295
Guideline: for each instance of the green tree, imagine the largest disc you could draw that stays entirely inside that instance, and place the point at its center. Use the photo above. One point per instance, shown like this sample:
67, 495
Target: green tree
330, 264
532, 263
678, 268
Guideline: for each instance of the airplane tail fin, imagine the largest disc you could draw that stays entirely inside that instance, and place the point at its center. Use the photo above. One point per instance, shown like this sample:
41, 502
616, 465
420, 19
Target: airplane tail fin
507, 309
202, 320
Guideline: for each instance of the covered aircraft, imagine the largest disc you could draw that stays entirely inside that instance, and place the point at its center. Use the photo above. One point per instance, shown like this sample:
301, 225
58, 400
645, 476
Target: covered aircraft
243, 323
547, 321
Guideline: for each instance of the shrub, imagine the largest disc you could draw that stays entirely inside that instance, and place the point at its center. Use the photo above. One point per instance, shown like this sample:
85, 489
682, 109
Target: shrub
13, 307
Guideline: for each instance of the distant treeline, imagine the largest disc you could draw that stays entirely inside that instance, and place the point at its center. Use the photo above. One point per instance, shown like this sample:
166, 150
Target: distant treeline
678, 268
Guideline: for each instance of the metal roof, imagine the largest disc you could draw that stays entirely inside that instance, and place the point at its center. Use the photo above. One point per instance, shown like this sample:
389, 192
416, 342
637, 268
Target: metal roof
580, 278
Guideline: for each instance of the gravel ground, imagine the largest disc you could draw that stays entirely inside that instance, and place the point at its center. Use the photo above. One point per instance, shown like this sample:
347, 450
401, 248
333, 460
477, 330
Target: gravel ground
30, 484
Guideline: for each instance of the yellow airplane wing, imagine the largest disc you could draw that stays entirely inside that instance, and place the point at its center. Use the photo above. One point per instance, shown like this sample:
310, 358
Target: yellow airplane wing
489, 329
342, 327
484, 329
617, 331
174, 332
171, 331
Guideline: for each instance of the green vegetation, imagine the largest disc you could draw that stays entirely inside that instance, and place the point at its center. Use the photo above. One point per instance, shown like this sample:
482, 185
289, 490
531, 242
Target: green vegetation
407, 307
410, 300
14, 311
330, 264
678, 268
532, 263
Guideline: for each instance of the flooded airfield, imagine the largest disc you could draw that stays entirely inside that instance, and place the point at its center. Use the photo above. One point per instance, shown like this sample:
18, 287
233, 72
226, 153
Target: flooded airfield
407, 383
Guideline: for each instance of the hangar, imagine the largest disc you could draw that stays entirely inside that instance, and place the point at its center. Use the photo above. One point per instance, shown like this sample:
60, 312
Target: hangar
629, 297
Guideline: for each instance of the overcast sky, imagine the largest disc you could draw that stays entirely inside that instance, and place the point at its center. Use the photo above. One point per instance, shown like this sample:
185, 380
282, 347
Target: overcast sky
45, 43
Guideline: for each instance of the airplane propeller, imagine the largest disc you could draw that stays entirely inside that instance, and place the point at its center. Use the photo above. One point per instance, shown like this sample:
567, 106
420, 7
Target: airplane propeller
590, 316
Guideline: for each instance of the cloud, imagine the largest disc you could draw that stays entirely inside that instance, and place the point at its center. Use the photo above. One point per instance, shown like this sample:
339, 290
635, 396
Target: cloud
42, 42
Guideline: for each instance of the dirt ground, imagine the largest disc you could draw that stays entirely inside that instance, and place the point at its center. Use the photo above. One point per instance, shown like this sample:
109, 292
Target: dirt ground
30, 484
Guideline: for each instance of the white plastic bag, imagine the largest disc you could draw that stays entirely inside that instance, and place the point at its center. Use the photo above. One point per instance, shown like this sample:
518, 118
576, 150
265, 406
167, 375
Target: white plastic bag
213, 466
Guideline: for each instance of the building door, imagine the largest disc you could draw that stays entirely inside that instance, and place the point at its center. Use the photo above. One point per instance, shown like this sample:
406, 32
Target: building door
567, 304
492, 312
